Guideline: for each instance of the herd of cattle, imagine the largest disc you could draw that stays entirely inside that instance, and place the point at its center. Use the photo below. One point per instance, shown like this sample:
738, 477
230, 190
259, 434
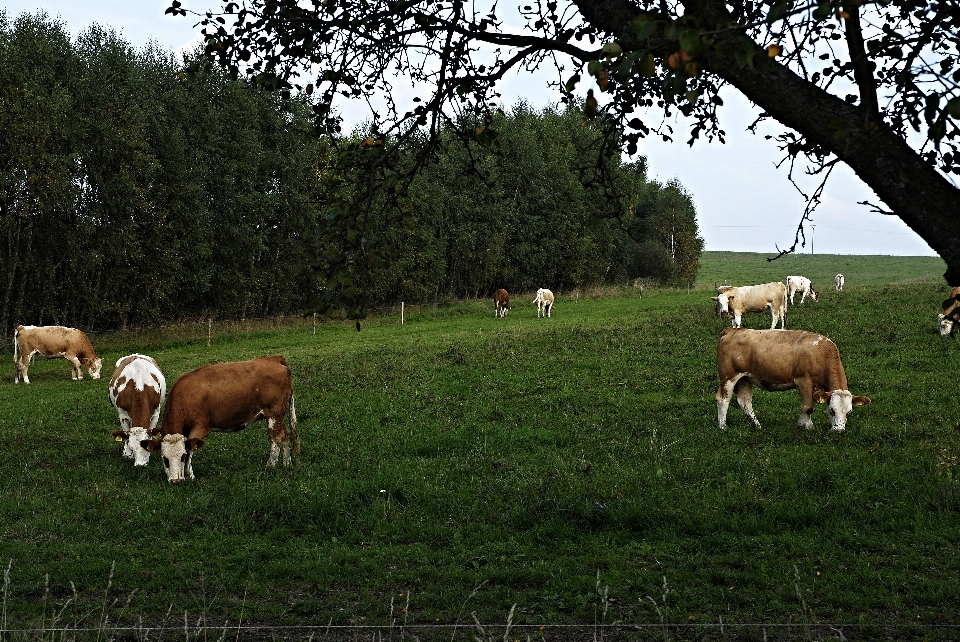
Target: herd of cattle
221, 397
779, 359
228, 397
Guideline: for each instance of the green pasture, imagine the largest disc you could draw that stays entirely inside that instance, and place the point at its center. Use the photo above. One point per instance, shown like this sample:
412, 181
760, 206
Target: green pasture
459, 466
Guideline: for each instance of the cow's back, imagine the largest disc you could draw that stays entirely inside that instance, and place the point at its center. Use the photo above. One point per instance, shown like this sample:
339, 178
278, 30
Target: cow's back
227, 396
54, 340
777, 357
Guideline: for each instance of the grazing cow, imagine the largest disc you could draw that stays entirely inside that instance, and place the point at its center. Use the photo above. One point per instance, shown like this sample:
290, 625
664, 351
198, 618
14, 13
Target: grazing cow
544, 302
838, 283
501, 303
53, 342
137, 388
802, 285
783, 360
735, 301
226, 397
950, 314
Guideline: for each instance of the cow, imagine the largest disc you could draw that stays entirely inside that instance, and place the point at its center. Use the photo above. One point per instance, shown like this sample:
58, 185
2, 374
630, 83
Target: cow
544, 302
783, 360
838, 283
53, 342
950, 314
735, 301
137, 388
501, 303
802, 285
226, 397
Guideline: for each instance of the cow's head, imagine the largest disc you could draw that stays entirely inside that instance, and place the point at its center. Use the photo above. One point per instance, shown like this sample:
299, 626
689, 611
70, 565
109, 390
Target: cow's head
813, 293
945, 324
132, 443
176, 451
723, 303
839, 404
94, 368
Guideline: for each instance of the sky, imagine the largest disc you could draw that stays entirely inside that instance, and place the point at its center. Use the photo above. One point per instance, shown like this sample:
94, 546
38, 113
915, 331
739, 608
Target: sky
744, 202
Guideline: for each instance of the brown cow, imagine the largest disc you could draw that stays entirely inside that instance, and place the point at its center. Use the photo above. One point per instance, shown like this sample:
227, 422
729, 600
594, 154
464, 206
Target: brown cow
226, 397
53, 342
783, 360
137, 388
501, 303
950, 314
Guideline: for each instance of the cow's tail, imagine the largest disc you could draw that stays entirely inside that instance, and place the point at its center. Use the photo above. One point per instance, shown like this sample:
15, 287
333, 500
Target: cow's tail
294, 435
16, 343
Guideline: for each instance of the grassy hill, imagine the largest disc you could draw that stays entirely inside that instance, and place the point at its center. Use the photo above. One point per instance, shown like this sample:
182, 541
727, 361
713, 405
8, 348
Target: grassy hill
459, 464
746, 268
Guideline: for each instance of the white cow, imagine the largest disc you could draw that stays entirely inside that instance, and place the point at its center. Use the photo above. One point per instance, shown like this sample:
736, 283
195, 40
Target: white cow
754, 298
137, 388
802, 285
838, 283
544, 302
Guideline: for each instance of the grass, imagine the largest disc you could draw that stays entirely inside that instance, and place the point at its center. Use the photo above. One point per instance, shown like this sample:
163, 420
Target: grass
458, 465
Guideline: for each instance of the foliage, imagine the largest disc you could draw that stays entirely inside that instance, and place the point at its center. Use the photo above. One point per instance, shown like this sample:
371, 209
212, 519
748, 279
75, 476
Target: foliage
519, 456
131, 193
886, 103
521, 216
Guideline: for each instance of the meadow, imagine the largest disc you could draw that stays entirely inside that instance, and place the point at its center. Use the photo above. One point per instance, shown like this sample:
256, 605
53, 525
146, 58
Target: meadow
562, 477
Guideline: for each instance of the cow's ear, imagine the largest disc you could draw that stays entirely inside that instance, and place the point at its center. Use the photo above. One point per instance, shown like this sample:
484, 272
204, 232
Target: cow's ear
151, 445
120, 434
820, 396
715, 298
947, 303
193, 444
859, 400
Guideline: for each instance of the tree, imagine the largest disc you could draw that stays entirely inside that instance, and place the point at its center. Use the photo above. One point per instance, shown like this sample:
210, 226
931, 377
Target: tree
886, 103
664, 216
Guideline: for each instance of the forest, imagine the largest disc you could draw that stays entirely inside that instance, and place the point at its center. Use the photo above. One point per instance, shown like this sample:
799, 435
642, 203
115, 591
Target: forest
134, 193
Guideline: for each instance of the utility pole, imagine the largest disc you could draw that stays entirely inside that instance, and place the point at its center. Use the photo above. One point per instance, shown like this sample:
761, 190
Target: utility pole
813, 235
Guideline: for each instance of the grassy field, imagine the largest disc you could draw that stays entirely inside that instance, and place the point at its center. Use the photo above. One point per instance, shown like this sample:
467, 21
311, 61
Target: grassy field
542, 472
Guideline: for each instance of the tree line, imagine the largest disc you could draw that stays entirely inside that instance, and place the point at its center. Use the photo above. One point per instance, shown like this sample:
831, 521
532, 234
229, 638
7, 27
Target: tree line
135, 193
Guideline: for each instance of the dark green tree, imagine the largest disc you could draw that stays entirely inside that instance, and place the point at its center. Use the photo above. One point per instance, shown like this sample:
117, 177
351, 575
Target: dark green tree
873, 84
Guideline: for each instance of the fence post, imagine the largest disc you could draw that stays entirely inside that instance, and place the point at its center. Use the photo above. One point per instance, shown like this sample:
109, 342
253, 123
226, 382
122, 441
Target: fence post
209, 329
314, 323
401, 312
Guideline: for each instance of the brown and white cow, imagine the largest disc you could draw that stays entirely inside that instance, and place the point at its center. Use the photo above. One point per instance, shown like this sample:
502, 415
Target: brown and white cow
802, 285
544, 301
501, 303
950, 314
783, 360
226, 397
53, 341
735, 301
137, 388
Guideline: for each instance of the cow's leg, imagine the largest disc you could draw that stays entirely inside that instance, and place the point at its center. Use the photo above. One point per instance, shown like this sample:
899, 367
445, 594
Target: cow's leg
724, 394
76, 374
278, 438
806, 402
549, 308
24, 368
744, 391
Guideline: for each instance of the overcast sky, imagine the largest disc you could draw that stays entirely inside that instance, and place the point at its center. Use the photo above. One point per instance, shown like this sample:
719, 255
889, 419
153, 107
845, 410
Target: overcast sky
744, 203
